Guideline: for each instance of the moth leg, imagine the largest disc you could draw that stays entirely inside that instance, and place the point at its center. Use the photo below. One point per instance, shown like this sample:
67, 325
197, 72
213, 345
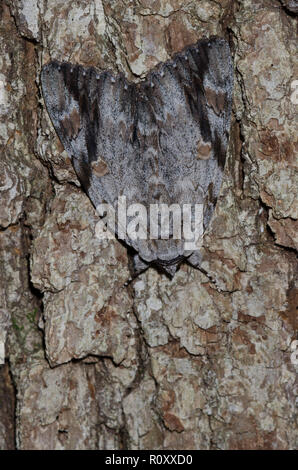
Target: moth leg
195, 259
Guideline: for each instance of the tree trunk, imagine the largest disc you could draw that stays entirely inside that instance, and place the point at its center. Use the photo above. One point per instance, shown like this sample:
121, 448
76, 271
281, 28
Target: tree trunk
93, 359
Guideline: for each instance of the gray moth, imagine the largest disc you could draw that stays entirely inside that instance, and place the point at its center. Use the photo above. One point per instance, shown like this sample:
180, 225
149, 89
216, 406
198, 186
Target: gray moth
161, 141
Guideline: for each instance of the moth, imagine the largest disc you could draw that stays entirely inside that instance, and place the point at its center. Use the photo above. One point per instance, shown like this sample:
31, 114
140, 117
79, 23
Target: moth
161, 141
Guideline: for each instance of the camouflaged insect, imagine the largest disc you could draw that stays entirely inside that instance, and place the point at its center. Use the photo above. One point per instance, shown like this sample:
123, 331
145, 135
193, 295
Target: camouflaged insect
162, 140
